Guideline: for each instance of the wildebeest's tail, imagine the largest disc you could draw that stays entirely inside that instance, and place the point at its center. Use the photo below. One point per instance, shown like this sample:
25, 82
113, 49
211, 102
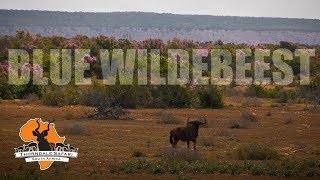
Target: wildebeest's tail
171, 139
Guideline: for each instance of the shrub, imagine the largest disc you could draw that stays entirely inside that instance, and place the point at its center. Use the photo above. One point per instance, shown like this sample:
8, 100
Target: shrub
289, 120
261, 92
172, 154
59, 96
107, 112
249, 116
251, 102
286, 96
93, 96
292, 167
268, 113
76, 129
178, 166
198, 167
31, 97
182, 176
128, 167
171, 96
255, 151
243, 123
72, 95
144, 97
8, 91
168, 118
54, 96
313, 109
238, 124
285, 167
210, 97
223, 132
68, 115
156, 169
181, 97
137, 153
207, 141
106, 103
258, 169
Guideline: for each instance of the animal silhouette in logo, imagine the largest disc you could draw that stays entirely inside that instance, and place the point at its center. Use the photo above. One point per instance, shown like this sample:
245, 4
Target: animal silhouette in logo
43, 143
39, 136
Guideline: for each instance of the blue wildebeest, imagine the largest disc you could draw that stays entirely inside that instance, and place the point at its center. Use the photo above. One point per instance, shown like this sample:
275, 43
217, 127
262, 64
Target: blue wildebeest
187, 133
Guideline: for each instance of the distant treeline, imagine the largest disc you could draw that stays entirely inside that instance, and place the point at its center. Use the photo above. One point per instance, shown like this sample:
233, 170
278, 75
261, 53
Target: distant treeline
154, 20
132, 96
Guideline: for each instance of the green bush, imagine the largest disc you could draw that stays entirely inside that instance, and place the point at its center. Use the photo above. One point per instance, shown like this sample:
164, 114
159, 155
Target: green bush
54, 96
18, 92
177, 167
128, 167
138, 153
285, 96
292, 167
258, 169
156, 169
171, 96
255, 151
60, 95
261, 92
283, 167
210, 97
93, 96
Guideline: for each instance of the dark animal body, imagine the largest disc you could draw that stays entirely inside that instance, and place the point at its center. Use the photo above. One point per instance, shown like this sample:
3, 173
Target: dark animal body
73, 149
61, 147
32, 146
43, 144
186, 134
19, 149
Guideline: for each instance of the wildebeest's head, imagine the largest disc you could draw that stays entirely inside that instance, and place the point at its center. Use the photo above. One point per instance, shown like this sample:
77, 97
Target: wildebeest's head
197, 123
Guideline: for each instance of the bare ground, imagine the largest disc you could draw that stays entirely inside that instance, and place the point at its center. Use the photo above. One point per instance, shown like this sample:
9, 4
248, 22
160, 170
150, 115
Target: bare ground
111, 142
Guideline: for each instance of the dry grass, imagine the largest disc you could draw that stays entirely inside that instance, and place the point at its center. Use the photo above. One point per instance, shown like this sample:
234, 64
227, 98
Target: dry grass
239, 124
268, 113
255, 151
223, 132
288, 120
313, 109
113, 142
69, 115
249, 116
168, 118
76, 129
138, 153
251, 102
31, 97
182, 154
207, 141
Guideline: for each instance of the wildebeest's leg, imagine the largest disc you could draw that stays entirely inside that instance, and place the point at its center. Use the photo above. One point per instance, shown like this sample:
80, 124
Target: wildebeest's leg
174, 144
194, 145
188, 144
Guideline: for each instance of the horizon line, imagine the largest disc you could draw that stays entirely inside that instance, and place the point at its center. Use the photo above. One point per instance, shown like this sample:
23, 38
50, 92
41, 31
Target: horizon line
160, 13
